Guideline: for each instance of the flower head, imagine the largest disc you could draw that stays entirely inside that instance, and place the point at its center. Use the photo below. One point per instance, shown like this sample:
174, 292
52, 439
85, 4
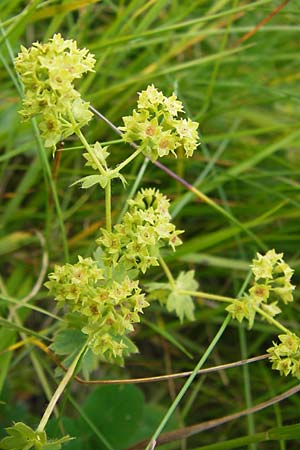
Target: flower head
48, 72
146, 227
155, 125
285, 356
107, 309
272, 277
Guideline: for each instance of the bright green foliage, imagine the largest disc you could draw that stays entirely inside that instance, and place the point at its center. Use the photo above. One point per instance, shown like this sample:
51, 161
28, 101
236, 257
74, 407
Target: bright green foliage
145, 228
182, 303
212, 75
67, 341
101, 154
285, 356
22, 437
108, 309
69, 338
108, 304
107, 301
48, 72
272, 283
95, 159
173, 295
156, 128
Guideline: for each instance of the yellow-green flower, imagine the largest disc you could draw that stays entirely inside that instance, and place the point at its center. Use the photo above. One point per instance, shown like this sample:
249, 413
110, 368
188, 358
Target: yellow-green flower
48, 72
156, 127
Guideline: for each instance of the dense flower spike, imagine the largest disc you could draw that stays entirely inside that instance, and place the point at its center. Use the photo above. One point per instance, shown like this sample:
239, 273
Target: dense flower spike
272, 277
107, 308
156, 127
135, 243
48, 72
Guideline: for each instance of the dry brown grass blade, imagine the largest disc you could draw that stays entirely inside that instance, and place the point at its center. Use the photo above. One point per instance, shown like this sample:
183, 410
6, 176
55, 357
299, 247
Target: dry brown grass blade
174, 375
254, 30
157, 378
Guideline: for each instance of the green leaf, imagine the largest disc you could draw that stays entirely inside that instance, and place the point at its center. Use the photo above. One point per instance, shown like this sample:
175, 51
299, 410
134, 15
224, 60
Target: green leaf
75, 427
186, 281
182, 304
176, 301
121, 177
56, 443
153, 414
116, 411
91, 180
68, 341
22, 437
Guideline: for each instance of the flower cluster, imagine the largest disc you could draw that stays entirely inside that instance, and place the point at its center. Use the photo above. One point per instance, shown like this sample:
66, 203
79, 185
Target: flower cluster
135, 243
108, 309
156, 128
48, 72
285, 356
272, 277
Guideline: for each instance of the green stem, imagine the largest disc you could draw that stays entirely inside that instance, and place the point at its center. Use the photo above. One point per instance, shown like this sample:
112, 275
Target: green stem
126, 161
167, 272
134, 188
200, 294
49, 180
108, 218
101, 169
272, 320
90, 151
187, 384
60, 389
247, 383
87, 146
108, 205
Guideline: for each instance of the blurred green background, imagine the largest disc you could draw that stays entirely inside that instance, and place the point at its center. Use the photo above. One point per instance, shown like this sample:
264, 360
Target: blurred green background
245, 94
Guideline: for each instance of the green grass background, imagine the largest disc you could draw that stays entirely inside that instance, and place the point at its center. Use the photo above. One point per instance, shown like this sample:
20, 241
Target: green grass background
246, 98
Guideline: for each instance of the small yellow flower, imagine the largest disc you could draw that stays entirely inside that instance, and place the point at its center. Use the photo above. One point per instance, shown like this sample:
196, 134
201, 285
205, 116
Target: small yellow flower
155, 127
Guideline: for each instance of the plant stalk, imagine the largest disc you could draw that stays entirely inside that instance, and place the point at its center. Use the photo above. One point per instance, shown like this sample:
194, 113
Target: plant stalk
167, 272
272, 320
60, 389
